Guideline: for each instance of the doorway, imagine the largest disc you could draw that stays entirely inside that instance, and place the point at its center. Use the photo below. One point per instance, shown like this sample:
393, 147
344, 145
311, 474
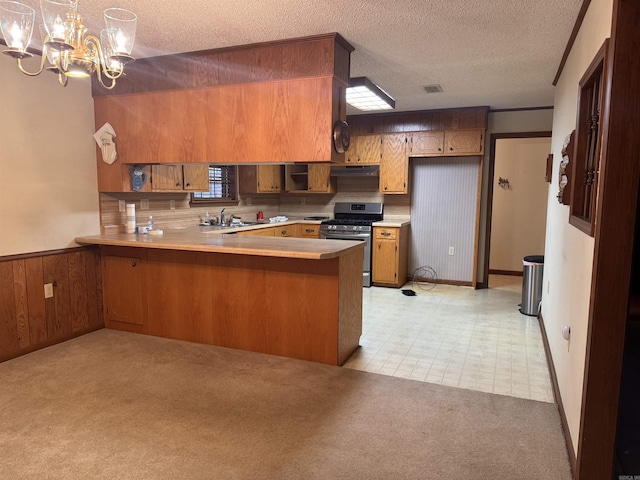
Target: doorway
517, 205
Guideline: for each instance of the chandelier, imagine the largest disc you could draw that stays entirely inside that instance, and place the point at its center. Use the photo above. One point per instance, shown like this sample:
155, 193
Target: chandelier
67, 50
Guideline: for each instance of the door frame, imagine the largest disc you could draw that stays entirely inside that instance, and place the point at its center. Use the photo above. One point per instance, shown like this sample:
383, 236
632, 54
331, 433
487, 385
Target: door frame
489, 205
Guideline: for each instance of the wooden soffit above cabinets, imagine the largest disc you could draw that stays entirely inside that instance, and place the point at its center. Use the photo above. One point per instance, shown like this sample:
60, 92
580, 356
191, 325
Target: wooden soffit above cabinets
315, 56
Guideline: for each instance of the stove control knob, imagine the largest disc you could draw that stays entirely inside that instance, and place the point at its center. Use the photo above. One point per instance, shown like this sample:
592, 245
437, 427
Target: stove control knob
359, 229
354, 228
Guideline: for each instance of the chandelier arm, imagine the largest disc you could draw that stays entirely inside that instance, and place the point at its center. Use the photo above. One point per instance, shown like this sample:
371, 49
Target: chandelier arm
63, 79
33, 74
92, 42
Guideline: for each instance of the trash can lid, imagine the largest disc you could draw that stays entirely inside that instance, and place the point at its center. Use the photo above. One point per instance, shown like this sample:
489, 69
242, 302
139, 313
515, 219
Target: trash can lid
534, 259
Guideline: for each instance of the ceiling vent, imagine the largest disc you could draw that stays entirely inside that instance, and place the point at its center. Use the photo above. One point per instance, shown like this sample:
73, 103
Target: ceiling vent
435, 88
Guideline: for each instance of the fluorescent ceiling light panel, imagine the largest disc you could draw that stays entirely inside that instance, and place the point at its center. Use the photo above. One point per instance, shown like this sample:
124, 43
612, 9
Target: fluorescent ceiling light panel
365, 95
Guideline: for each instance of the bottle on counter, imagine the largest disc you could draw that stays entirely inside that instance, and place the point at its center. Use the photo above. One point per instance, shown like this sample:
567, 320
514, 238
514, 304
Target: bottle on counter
150, 224
207, 218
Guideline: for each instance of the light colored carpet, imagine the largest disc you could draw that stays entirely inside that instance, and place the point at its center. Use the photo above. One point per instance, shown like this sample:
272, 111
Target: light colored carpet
116, 405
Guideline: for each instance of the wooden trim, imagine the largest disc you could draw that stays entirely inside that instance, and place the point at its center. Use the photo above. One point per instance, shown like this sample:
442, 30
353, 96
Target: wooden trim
490, 175
522, 109
616, 215
513, 273
22, 256
50, 342
476, 235
556, 394
572, 39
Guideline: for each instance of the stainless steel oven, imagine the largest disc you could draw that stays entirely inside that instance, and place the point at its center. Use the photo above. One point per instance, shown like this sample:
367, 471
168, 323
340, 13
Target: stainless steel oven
353, 221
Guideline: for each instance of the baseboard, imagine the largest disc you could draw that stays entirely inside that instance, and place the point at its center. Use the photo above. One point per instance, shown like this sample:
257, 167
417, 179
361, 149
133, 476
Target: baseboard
513, 273
556, 393
458, 283
48, 343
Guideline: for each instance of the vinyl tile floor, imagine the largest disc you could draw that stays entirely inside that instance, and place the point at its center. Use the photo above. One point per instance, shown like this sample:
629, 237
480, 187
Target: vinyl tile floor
456, 336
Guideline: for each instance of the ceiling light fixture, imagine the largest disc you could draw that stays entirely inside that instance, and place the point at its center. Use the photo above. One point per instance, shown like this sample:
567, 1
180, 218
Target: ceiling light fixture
365, 95
66, 45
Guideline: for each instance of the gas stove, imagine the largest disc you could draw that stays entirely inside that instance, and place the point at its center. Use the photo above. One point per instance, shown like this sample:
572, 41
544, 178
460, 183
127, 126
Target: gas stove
353, 221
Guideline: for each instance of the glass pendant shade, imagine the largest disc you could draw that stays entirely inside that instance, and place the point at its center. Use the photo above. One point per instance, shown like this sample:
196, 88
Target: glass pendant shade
112, 65
54, 15
17, 22
121, 29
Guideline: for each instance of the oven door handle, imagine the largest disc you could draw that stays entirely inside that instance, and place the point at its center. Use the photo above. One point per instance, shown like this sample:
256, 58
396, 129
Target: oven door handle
356, 236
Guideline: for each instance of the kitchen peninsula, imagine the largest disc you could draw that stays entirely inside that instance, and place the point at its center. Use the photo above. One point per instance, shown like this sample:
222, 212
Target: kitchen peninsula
292, 297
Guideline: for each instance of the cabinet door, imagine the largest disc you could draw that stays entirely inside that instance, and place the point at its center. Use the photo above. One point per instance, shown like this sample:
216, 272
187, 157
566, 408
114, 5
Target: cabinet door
259, 232
166, 177
319, 178
385, 261
366, 150
269, 178
123, 289
463, 142
196, 177
426, 144
394, 165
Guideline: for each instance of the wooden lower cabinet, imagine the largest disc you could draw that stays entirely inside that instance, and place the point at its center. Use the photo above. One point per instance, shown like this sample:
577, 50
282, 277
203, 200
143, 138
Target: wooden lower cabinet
308, 230
260, 232
390, 255
123, 286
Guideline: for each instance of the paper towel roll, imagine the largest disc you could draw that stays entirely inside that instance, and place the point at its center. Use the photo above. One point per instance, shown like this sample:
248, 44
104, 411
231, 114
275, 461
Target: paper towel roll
131, 218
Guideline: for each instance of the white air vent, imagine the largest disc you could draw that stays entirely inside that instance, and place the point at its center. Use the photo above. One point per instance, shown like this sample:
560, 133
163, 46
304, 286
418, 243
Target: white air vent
435, 88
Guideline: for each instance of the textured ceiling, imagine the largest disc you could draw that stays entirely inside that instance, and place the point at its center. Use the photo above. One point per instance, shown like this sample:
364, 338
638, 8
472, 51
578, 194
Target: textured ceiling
501, 53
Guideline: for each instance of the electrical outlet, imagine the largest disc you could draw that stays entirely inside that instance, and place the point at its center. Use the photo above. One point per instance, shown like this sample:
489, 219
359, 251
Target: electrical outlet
451, 250
172, 204
144, 204
248, 201
302, 200
48, 290
121, 206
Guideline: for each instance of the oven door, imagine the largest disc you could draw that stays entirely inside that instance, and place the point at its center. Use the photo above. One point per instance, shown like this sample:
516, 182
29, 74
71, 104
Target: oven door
363, 237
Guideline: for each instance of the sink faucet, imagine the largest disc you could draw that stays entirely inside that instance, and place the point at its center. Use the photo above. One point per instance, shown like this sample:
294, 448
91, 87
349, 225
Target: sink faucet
222, 217
231, 217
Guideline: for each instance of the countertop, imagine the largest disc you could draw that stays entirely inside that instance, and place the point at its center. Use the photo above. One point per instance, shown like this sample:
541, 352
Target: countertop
222, 240
393, 222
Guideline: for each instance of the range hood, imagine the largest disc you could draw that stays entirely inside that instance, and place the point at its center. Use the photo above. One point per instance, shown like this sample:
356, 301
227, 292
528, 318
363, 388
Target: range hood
354, 170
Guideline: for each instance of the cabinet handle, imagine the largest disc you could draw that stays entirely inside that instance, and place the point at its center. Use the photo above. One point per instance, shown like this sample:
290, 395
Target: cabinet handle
188, 184
439, 149
177, 184
450, 148
385, 234
309, 230
133, 264
283, 232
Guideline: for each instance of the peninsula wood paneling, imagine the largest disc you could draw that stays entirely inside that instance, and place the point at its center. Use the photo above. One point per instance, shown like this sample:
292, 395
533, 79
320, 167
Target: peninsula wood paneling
313, 56
28, 321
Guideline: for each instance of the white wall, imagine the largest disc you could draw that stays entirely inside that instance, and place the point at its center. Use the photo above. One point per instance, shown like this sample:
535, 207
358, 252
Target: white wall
569, 252
506, 122
519, 213
49, 192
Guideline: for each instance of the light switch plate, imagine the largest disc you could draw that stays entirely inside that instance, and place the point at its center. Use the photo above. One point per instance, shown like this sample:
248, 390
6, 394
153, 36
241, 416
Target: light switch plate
451, 250
121, 207
172, 204
48, 290
248, 201
144, 204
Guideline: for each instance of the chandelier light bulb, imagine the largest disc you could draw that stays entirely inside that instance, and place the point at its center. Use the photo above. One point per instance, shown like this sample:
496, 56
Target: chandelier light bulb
16, 37
58, 28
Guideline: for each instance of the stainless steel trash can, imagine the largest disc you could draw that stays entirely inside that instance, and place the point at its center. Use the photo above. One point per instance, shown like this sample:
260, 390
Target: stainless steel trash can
532, 269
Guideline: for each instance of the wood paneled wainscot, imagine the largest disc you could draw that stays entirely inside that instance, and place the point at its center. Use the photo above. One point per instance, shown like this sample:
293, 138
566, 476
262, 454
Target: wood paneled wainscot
390, 250
30, 319
283, 296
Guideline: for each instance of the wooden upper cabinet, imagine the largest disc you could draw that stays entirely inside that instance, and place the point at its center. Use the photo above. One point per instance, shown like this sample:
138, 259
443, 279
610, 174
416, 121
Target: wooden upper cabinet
195, 177
189, 177
464, 142
260, 178
320, 180
423, 144
364, 149
394, 164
